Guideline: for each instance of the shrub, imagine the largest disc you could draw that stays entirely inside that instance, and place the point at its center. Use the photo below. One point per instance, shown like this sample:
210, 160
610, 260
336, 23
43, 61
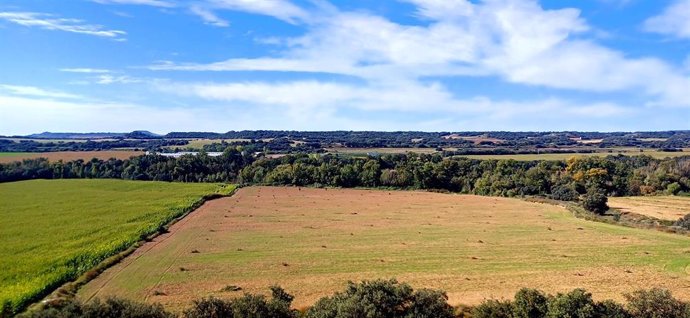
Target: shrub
673, 188
382, 299
530, 303
595, 201
493, 309
564, 193
684, 222
656, 303
110, 308
247, 306
611, 309
575, 304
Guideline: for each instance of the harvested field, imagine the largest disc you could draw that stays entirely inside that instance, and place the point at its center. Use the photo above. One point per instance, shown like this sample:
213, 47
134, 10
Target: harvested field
312, 241
660, 207
69, 155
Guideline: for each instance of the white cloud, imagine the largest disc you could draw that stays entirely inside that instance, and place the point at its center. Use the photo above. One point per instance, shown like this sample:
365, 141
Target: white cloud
85, 70
516, 40
675, 20
49, 22
116, 79
35, 91
154, 3
280, 9
209, 16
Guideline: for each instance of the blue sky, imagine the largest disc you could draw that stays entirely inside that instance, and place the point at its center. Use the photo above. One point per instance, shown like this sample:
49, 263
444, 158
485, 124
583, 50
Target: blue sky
432, 65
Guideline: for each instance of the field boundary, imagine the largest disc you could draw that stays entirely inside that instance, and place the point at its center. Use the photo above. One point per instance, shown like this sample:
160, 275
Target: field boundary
629, 219
68, 290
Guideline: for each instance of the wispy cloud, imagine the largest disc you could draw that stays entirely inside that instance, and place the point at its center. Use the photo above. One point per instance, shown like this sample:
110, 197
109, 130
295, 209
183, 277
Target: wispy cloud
85, 70
107, 79
50, 22
36, 92
154, 3
208, 16
675, 20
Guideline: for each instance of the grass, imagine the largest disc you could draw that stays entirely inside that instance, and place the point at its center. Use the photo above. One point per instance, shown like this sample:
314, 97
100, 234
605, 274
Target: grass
661, 207
12, 154
54, 230
312, 241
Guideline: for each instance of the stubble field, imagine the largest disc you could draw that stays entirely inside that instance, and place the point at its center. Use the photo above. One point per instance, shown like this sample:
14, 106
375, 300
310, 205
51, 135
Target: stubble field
661, 207
312, 241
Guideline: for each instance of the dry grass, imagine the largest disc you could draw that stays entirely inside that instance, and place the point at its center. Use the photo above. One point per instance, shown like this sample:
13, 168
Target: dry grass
311, 241
71, 155
661, 207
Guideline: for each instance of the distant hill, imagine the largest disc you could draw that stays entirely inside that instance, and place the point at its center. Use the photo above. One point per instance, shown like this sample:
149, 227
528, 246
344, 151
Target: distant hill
69, 135
142, 134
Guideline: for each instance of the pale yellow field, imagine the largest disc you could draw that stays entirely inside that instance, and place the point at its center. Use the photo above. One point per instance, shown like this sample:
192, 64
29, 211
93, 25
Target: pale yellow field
312, 241
660, 207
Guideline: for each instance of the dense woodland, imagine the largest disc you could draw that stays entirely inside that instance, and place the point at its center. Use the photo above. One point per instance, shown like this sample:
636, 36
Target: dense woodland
564, 180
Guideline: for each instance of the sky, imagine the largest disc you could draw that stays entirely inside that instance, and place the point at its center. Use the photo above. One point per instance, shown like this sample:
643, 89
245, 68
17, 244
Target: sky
429, 65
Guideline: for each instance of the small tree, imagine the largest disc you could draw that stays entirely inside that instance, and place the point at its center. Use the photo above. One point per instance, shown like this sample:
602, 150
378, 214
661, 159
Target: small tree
530, 303
656, 303
564, 193
575, 304
493, 309
595, 201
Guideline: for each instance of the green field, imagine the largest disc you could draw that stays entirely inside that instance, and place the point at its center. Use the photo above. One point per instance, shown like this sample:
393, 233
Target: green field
54, 230
12, 154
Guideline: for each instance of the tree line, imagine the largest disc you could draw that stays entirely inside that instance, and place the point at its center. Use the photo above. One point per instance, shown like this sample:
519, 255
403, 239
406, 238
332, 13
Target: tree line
386, 299
562, 180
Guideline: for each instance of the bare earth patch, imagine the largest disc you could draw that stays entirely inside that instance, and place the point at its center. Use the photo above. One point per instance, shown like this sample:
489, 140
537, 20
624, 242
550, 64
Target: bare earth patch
312, 241
661, 207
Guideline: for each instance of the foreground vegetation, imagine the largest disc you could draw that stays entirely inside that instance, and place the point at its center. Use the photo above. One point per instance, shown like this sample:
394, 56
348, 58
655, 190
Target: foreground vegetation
53, 231
388, 299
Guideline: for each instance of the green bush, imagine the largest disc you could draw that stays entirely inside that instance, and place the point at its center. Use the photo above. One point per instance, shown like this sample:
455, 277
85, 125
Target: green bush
382, 299
595, 201
110, 308
575, 304
247, 306
564, 193
530, 303
493, 309
656, 303
612, 309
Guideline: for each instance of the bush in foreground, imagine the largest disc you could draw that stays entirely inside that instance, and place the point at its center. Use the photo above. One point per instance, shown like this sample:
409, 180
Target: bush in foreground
382, 299
387, 299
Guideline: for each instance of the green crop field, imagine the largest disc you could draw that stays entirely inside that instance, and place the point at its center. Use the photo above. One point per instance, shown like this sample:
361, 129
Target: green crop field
54, 230
11, 154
